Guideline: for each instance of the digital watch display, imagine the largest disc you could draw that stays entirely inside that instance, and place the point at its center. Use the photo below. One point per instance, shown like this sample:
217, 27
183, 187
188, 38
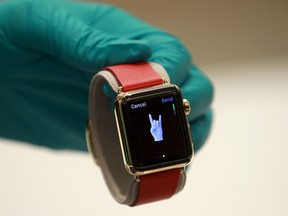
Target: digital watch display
154, 128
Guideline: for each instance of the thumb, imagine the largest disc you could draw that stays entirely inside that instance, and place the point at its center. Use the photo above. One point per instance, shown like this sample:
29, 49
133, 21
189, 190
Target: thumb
45, 27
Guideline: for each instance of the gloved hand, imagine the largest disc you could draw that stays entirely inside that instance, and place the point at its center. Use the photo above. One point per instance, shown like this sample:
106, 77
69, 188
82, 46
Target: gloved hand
49, 51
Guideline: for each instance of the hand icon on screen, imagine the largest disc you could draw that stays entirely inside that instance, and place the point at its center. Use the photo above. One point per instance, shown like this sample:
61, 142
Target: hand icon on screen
156, 128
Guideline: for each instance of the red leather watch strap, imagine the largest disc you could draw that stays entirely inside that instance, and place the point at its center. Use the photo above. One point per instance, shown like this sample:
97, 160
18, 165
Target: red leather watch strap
135, 76
158, 186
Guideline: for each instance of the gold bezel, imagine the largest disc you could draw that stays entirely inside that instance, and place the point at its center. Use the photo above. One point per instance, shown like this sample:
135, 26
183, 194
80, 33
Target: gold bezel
123, 136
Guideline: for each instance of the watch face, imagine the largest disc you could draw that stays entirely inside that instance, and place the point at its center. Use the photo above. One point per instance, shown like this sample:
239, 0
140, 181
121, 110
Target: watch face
154, 129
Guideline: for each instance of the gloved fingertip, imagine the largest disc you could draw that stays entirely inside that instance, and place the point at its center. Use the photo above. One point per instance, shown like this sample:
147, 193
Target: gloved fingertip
137, 53
128, 51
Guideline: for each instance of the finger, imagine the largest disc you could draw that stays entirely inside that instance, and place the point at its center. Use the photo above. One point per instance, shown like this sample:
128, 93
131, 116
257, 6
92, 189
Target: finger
172, 55
198, 90
53, 30
160, 120
200, 129
150, 119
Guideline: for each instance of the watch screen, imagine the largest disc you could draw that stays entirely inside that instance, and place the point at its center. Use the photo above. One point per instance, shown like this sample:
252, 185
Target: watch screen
155, 129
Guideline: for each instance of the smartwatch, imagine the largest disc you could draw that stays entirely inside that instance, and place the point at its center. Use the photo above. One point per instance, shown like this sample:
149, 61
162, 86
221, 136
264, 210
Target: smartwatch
144, 147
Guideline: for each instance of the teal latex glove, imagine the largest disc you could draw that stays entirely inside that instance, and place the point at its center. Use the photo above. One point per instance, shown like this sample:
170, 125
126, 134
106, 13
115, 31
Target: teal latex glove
49, 51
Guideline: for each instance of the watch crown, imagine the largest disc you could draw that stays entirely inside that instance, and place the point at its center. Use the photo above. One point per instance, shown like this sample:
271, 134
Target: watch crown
187, 107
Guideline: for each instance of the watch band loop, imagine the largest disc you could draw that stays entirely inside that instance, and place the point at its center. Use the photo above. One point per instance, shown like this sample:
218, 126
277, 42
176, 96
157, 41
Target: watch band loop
135, 76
